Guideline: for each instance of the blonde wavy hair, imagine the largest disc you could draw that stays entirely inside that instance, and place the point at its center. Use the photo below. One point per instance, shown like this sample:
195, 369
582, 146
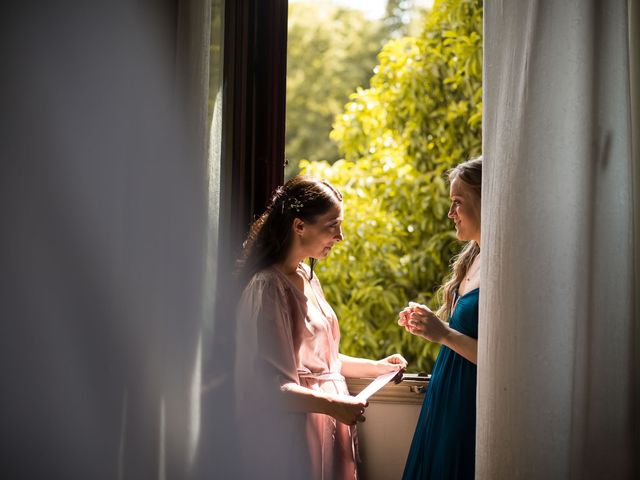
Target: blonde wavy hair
469, 172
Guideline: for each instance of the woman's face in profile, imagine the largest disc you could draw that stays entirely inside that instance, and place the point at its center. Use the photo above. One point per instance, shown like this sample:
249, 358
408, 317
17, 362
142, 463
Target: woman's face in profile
319, 237
464, 211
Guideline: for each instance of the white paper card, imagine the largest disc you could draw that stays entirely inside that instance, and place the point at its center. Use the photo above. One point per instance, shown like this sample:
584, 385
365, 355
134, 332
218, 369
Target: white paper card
376, 385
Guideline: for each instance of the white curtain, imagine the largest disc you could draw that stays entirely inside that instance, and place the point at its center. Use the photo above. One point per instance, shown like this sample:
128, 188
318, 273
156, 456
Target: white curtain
557, 366
104, 206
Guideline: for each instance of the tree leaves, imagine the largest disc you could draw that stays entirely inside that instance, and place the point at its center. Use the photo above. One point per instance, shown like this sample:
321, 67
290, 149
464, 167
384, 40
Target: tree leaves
327, 58
420, 116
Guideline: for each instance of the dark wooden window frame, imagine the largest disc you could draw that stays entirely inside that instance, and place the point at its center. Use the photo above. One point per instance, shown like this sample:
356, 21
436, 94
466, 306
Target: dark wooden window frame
253, 133
255, 45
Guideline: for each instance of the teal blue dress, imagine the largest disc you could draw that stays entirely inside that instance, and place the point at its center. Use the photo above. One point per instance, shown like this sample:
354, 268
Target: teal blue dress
443, 446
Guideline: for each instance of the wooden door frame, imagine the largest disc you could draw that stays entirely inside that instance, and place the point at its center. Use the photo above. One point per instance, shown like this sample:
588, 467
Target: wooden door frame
255, 74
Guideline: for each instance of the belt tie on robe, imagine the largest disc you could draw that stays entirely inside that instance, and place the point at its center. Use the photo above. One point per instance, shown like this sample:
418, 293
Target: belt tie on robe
322, 376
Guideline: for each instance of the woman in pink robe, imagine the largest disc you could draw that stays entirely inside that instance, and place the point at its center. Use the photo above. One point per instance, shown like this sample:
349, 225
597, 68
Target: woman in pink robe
296, 419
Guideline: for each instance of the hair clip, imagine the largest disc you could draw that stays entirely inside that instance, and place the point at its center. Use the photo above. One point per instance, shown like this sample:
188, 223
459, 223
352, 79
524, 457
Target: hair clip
295, 204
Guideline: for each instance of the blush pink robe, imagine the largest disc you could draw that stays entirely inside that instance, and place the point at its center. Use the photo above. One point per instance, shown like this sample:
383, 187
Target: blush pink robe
282, 337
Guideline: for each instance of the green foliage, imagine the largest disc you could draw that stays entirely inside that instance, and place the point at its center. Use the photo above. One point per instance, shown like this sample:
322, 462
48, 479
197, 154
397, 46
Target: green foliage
420, 116
397, 17
331, 52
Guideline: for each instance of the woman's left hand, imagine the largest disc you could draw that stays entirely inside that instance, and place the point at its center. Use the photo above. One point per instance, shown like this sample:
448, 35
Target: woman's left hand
391, 363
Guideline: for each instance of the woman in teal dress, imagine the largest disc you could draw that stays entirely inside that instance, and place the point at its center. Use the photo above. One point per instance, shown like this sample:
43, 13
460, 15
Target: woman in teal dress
443, 446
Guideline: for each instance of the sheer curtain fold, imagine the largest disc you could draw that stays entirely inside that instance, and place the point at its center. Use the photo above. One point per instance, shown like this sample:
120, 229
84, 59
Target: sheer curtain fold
634, 64
104, 210
557, 351
188, 334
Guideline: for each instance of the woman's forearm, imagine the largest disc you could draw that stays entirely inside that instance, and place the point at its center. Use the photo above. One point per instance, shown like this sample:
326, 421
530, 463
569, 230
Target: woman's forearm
359, 367
305, 400
462, 345
344, 408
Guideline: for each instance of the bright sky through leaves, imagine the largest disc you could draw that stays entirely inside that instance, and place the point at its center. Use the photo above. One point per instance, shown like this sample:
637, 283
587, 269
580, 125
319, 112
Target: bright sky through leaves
372, 8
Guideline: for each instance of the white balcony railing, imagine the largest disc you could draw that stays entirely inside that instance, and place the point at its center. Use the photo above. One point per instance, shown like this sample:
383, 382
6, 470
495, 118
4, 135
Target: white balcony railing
391, 419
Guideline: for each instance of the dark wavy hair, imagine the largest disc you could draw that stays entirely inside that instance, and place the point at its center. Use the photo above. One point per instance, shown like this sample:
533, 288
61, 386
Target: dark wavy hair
270, 236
